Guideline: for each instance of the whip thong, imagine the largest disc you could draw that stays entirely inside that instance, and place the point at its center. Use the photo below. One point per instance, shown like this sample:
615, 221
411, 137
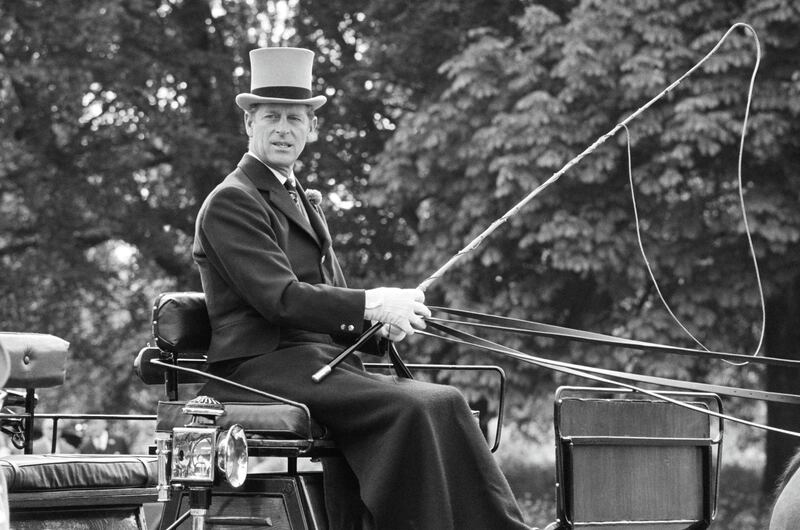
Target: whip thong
476, 242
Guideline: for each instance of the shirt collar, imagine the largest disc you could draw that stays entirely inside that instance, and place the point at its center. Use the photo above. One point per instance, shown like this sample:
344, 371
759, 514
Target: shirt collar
281, 178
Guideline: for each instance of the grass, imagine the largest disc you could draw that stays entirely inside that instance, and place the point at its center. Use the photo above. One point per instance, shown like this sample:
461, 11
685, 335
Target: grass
740, 505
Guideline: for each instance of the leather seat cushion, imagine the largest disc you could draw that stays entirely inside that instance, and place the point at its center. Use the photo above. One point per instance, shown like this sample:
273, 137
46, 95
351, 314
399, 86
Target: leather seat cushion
180, 322
36, 360
49, 472
270, 420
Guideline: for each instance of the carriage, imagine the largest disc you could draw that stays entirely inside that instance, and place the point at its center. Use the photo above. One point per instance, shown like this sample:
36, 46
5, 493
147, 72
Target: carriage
622, 460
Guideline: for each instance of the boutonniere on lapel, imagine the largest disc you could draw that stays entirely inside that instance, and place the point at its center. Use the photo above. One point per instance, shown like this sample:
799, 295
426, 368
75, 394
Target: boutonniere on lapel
314, 197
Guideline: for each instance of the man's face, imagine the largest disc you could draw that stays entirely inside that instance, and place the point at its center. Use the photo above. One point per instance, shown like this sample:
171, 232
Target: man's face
278, 133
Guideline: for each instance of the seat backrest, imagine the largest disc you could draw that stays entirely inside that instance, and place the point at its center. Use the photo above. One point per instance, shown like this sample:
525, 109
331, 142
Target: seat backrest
180, 323
182, 333
31, 361
630, 461
35, 360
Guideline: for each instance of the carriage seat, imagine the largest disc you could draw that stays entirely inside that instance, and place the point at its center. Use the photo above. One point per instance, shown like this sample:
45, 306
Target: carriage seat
36, 360
182, 333
89, 491
44, 490
268, 420
61, 472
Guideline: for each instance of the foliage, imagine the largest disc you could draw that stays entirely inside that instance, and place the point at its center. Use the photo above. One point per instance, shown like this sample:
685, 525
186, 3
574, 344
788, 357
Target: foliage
520, 106
108, 146
378, 59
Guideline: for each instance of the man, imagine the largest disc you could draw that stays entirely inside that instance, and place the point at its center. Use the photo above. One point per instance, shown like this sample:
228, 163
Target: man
414, 457
97, 440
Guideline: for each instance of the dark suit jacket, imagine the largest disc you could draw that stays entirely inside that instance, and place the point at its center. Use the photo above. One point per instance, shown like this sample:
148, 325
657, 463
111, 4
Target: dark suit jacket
265, 270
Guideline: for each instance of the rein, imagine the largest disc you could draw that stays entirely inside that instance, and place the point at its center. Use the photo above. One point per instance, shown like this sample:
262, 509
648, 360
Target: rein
618, 378
528, 327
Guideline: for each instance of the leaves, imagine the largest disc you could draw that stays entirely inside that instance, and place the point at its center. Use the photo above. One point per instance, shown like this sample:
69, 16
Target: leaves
520, 106
109, 147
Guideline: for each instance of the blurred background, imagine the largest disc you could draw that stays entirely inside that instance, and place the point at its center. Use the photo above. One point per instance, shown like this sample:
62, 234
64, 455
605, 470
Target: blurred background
117, 118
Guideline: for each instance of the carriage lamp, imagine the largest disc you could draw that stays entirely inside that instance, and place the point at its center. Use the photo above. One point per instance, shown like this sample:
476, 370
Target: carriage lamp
232, 455
201, 448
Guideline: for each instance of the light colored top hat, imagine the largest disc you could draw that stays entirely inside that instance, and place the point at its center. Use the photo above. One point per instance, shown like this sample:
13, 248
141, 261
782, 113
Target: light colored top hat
280, 75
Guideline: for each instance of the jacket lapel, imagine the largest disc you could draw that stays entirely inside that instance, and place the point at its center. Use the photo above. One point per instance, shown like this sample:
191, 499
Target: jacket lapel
276, 194
317, 220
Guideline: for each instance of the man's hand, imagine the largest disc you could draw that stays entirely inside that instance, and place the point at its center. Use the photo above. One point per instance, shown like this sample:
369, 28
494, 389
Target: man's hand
402, 310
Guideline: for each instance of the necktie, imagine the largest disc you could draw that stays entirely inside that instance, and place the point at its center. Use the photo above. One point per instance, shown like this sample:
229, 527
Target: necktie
292, 189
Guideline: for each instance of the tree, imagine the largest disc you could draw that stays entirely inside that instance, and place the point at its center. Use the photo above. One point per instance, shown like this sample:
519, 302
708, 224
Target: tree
376, 61
520, 105
115, 126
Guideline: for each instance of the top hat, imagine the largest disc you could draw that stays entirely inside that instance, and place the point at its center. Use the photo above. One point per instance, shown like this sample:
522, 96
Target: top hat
280, 75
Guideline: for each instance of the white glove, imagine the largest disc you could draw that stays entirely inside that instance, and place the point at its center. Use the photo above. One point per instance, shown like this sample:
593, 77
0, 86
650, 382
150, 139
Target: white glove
402, 310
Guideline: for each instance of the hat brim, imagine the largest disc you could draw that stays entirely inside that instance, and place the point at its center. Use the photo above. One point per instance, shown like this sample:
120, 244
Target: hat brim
247, 100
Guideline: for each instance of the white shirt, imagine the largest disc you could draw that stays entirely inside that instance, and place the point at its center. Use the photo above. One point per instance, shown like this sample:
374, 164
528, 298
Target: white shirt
282, 179
280, 176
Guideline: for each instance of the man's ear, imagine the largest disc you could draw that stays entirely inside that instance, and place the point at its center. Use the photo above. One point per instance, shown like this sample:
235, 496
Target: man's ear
248, 123
312, 130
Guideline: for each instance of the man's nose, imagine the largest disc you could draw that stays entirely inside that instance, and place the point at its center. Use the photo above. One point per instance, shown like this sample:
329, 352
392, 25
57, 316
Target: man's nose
282, 126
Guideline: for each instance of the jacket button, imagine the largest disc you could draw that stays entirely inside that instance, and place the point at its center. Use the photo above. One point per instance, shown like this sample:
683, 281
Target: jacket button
343, 327
351, 328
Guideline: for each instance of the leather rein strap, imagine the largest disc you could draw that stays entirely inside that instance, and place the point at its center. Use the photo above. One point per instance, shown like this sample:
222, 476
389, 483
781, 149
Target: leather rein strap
618, 378
548, 330
523, 326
